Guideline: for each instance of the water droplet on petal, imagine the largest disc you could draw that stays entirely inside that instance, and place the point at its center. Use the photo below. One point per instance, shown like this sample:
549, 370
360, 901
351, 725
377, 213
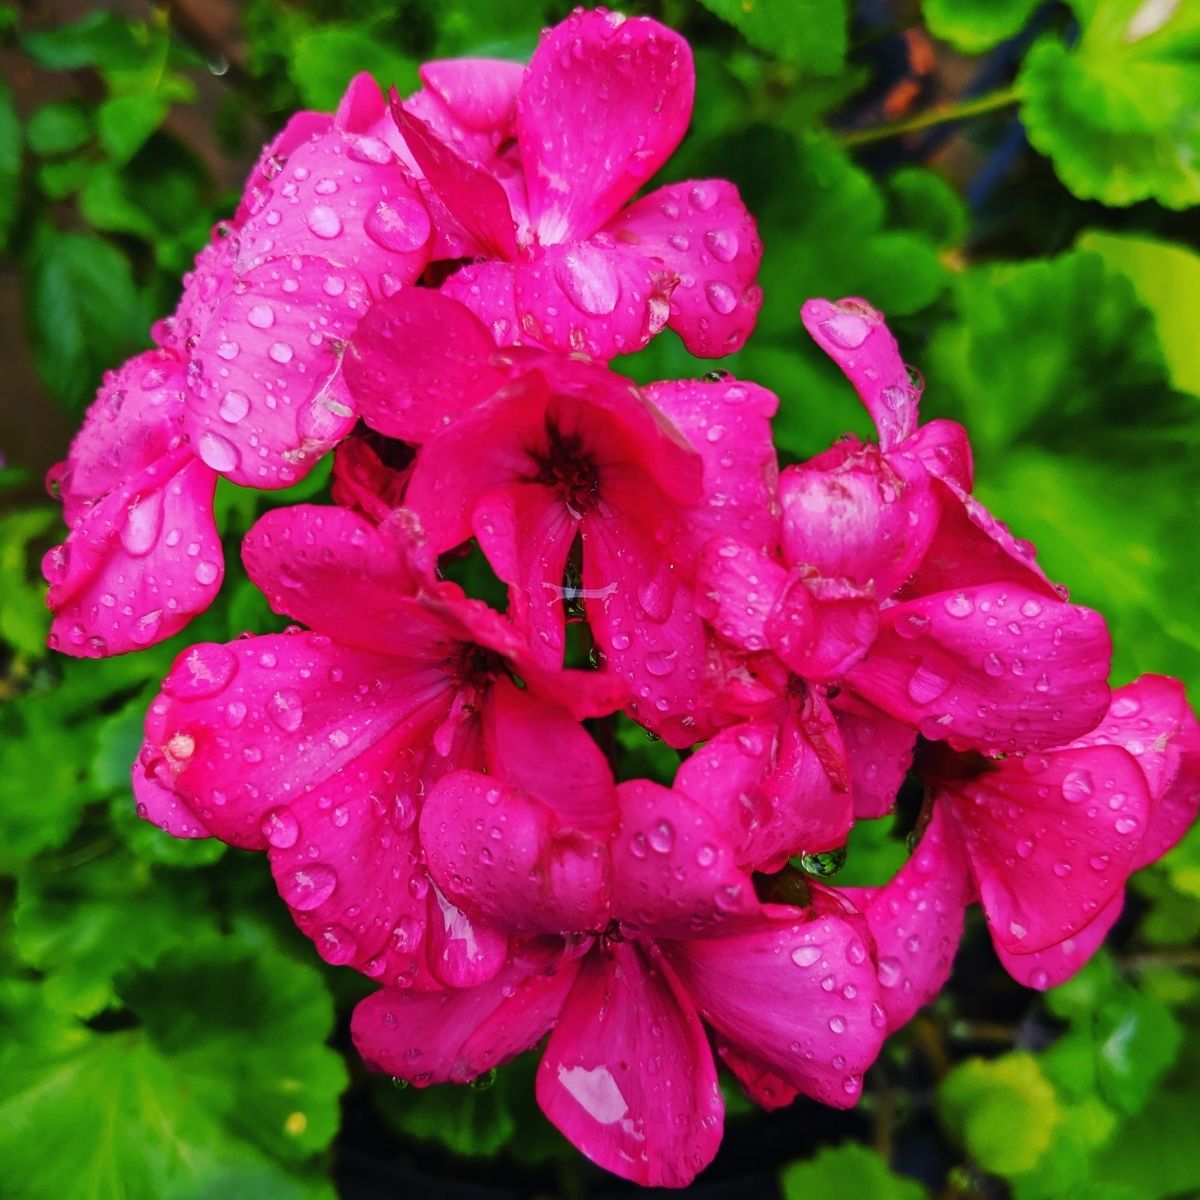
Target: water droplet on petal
721, 297
280, 828
805, 956
324, 222
217, 452
399, 224
306, 888
589, 279
233, 407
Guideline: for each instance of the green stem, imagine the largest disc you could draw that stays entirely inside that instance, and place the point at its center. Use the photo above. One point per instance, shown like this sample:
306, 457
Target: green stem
939, 115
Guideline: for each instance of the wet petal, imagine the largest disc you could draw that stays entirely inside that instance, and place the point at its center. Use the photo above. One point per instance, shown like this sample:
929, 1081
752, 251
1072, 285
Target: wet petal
879, 752
701, 235
417, 361
996, 666
798, 994
1051, 839
728, 424
1057, 964
853, 334
138, 565
487, 289
453, 1036
737, 589
370, 475
481, 93
605, 101
267, 396
822, 627
628, 1077
675, 870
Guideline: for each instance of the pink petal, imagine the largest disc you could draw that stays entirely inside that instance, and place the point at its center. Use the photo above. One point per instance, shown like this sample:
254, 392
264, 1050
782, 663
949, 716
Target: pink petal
346, 860
527, 534
728, 423
945, 451
994, 665
675, 870
1057, 964
737, 589
853, 334
798, 994
970, 546
644, 622
1051, 839
240, 728
487, 289
594, 297
879, 752
575, 782
140, 564
450, 1037
917, 922
759, 1082
481, 93
1151, 720
604, 103
856, 514
700, 234
822, 627
202, 289
470, 192
267, 399
302, 128
368, 476
417, 361
627, 1076
158, 804
505, 856
463, 950
344, 199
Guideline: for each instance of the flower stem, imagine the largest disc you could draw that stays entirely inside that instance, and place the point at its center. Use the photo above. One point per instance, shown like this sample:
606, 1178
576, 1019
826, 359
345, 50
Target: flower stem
939, 115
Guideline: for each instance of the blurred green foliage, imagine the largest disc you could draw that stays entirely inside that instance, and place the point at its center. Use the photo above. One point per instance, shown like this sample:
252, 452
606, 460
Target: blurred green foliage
167, 1034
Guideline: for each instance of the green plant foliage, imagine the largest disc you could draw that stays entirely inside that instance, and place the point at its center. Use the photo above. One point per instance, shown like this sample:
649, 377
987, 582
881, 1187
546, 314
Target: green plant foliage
1117, 114
848, 1170
10, 162
810, 34
976, 25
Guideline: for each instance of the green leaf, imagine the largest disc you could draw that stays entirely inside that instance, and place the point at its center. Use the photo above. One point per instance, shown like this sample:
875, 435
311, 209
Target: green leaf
921, 201
471, 1121
58, 180
1004, 1111
325, 60
1161, 274
125, 122
24, 618
10, 162
810, 34
847, 1170
58, 128
83, 920
85, 313
101, 39
974, 26
106, 204
224, 1074
1119, 113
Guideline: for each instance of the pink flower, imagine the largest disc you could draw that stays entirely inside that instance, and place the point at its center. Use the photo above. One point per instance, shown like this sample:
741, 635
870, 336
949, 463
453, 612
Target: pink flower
318, 746
330, 220
564, 263
143, 556
633, 923
536, 455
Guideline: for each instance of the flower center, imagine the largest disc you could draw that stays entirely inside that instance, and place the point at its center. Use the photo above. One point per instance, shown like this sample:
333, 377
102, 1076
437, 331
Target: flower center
568, 471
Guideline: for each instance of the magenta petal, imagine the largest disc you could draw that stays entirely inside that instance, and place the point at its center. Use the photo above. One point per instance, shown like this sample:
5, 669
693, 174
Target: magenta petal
917, 921
302, 128
1151, 720
799, 994
821, 627
158, 804
140, 564
879, 753
995, 666
417, 360
369, 476
575, 782
1051, 839
463, 950
527, 533
1058, 963
728, 423
595, 297
605, 101
675, 870
241, 728
268, 400
760, 1083
472, 194
700, 234
737, 589
627, 1076
505, 856
854, 513
481, 93
450, 1037
487, 289
945, 452
853, 334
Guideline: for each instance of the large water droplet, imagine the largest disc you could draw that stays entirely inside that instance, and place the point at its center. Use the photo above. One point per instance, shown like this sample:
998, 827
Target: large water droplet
721, 297
1078, 785
847, 330
336, 945
589, 279
661, 837
399, 224
324, 222
928, 682
307, 888
143, 523
217, 452
722, 244
261, 316
805, 956
233, 407
280, 828
286, 709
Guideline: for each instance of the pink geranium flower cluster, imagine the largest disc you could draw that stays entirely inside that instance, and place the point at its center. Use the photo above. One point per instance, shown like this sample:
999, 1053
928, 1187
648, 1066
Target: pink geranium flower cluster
433, 286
